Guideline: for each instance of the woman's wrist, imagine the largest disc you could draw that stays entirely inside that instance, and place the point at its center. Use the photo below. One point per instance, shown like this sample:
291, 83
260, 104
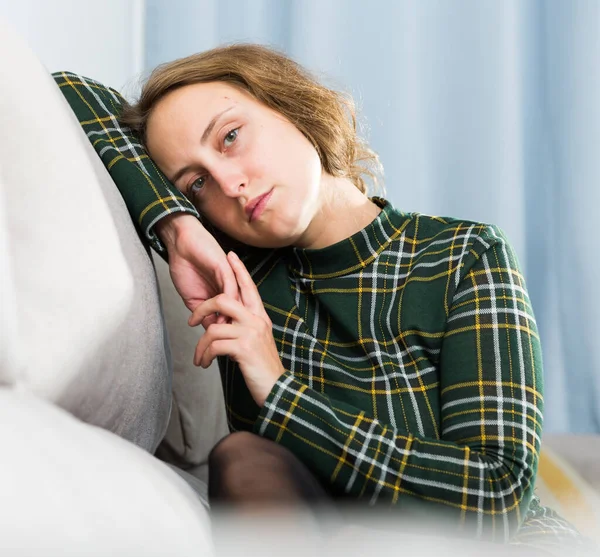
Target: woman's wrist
169, 228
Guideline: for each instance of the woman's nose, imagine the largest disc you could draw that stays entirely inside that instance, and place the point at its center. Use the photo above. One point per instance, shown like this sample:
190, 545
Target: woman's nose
231, 180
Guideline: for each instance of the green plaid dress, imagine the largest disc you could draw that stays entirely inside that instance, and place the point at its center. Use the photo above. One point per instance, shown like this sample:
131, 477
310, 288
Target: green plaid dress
413, 364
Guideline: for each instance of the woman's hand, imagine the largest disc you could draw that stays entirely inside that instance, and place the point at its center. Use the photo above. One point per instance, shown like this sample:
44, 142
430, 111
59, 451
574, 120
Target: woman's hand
247, 339
198, 265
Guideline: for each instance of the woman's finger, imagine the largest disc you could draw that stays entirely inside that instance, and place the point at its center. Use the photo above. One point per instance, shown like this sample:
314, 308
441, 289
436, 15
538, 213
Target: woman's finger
221, 304
229, 283
216, 332
248, 291
212, 319
219, 347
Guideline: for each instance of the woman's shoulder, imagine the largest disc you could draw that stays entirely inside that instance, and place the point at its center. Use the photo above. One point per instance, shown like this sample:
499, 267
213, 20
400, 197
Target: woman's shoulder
434, 241
433, 230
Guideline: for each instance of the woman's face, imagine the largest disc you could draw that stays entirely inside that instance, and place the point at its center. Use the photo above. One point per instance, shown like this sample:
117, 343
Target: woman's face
224, 150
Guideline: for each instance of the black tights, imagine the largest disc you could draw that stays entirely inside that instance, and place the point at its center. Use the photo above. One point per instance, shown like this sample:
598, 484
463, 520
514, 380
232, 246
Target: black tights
249, 473
246, 469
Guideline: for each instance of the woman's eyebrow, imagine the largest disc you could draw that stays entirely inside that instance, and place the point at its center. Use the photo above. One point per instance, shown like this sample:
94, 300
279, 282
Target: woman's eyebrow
203, 139
211, 125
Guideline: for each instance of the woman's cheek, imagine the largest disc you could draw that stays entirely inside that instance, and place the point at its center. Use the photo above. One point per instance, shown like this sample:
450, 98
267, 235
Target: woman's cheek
262, 166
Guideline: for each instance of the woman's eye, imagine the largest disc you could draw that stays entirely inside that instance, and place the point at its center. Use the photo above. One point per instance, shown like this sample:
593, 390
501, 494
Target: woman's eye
197, 185
230, 137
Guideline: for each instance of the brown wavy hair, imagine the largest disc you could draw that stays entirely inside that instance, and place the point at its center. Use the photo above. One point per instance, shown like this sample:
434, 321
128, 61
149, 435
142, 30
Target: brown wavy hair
327, 118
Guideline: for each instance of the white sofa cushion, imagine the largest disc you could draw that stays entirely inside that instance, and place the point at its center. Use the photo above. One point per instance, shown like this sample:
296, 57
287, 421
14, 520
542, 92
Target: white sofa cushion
85, 325
70, 489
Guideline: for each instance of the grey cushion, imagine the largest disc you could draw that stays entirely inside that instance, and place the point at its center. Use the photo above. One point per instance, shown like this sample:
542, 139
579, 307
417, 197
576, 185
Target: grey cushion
198, 418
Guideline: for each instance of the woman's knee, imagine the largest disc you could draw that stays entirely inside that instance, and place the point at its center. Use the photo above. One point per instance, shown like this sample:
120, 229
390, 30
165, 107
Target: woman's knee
246, 463
236, 446
248, 447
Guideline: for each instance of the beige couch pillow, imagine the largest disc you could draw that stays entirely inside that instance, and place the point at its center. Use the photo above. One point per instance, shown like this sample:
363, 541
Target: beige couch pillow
81, 319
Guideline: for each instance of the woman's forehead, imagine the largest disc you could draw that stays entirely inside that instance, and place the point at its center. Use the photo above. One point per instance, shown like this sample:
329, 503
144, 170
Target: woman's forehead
205, 96
181, 117
192, 105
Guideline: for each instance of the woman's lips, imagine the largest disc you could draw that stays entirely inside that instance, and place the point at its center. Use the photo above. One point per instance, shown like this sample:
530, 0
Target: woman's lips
260, 205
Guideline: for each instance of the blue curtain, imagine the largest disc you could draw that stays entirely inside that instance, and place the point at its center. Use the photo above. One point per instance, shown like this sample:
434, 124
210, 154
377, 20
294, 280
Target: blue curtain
485, 110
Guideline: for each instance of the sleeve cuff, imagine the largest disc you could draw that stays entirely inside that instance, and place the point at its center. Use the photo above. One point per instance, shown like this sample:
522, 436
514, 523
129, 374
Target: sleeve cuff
279, 406
149, 220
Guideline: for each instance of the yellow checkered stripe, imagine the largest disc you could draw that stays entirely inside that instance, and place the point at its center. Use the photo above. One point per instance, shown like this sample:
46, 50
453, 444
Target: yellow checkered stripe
544, 528
148, 194
464, 439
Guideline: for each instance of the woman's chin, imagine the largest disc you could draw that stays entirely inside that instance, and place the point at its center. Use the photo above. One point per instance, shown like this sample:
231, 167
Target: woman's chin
266, 243
264, 235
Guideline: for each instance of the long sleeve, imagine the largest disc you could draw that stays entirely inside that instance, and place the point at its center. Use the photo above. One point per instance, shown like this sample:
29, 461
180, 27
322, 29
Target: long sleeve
480, 473
148, 194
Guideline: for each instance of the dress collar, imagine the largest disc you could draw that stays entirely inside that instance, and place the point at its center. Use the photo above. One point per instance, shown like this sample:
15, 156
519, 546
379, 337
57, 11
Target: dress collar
353, 253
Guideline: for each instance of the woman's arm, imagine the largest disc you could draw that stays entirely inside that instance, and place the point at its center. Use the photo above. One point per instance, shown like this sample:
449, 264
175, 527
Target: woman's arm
479, 474
166, 219
198, 265
148, 194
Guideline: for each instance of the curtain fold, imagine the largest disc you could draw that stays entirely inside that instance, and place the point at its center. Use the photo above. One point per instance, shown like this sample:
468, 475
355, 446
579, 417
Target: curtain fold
481, 110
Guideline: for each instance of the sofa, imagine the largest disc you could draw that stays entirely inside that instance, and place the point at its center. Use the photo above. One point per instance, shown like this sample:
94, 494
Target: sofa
96, 373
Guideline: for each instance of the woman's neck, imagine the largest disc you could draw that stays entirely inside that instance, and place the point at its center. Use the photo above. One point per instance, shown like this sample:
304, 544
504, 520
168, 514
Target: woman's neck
343, 211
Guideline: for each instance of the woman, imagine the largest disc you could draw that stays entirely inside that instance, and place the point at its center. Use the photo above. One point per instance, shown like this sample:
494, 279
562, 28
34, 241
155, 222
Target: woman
371, 355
